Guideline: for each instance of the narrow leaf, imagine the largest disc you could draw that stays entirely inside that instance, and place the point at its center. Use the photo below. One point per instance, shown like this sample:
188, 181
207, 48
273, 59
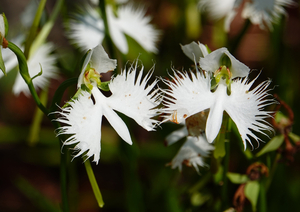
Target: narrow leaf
272, 145
294, 137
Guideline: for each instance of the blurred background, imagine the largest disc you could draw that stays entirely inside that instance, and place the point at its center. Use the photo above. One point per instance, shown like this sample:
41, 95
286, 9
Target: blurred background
137, 178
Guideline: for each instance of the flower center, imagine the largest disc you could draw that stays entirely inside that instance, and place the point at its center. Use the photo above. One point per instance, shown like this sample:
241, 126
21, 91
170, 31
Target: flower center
91, 78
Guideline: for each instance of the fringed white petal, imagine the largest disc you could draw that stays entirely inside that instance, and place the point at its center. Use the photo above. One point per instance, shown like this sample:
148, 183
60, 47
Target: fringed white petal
85, 28
265, 13
134, 22
131, 97
245, 108
83, 122
192, 152
186, 96
194, 51
42, 59
211, 63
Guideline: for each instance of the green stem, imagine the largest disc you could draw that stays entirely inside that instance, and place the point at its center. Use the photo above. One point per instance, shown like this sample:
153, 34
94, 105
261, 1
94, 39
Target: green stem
25, 74
93, 182
38, 117
262, 197
34, 26
272, 171
43, 34
109, 42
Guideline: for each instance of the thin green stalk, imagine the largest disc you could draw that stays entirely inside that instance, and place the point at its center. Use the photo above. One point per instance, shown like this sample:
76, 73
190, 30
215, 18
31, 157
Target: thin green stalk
37, 119
272, 171
262, 197
43, 34
93, 182
109, 42
25, 74
34, 27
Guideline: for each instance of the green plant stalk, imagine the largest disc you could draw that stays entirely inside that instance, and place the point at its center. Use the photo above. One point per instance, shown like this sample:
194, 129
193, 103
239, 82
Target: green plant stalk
110, 44
262, 196
25, 74
237, 40
38, 117
224, 193
34, 27
28, 80
43, 34
272, 171
93, 182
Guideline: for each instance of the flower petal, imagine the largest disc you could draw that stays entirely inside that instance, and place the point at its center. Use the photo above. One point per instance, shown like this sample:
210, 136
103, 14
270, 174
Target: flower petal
246, 108
85, 28
186, 96
176, 135
115, 121
131, 97
192, 152
194, 51
83, 119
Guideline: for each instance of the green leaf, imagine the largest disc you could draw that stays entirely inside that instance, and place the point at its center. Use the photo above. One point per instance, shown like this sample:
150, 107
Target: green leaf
272, 145
237, 178
294, 137
5, 24
252, 192
219, 147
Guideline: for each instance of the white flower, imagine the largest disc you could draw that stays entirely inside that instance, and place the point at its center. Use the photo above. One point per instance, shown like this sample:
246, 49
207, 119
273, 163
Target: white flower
260, 12
130, 96
191, 152
40, 59
87, 29
190, 95
213, 62
266, 12
194, 51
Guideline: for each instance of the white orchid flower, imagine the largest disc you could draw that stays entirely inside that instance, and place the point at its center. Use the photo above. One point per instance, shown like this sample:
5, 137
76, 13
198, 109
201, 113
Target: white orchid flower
259, 12
192, 152
87, 30
130, 96
265, 13
190, 95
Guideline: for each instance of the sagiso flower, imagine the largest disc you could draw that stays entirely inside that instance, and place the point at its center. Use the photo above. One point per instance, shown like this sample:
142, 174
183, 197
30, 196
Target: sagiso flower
190, 93
87, 29
130, 96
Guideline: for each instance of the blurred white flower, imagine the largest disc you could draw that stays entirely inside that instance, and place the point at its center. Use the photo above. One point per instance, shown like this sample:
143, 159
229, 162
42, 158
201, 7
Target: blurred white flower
192, 152
190, 95
2, 29
41, 59
259, 12
130, 96
86, 29
266, 12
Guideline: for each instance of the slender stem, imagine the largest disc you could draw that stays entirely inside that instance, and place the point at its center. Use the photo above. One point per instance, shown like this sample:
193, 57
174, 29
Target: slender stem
109, 42
34, 26
63, 179
93, 182
43, 34
272, 171
262, 197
